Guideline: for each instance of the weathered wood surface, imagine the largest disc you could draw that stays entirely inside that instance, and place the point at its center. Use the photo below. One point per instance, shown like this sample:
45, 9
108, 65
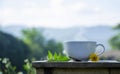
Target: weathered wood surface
40, 71
80, 71
115, 71
77, 67
40, 64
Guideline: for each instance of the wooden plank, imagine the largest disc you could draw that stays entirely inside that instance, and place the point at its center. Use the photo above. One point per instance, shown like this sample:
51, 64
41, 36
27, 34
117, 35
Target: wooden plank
38, 64
80, 71
45, 71
48, 71
77, 67
40, 71
115, 71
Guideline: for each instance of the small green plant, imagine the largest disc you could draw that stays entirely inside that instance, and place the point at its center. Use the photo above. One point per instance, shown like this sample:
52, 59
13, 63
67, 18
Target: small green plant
6, 67
28, 67
56, 57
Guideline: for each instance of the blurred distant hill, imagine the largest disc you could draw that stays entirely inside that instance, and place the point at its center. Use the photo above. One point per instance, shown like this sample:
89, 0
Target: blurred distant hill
101, 34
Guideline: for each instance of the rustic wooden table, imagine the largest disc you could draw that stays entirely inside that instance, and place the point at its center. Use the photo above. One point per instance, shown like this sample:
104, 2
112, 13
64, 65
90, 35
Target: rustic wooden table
77, 67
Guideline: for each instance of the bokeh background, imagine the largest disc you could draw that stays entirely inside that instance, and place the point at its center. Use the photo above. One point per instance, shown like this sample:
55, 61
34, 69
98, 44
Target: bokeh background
31, 28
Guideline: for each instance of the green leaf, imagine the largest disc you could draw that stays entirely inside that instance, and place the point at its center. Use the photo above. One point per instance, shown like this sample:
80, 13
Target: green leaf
50, 56
65, 58
55, 57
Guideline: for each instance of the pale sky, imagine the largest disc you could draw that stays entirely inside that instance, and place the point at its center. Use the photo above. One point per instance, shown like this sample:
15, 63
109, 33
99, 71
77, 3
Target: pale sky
59, 13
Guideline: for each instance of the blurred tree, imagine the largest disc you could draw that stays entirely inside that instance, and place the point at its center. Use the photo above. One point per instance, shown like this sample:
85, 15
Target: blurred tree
35, 41
39, 45
115, 40
14, 49
0, 27
117, 27
54, 46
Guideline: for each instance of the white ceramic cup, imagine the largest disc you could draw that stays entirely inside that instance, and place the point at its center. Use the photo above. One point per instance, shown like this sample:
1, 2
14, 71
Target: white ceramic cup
81, 50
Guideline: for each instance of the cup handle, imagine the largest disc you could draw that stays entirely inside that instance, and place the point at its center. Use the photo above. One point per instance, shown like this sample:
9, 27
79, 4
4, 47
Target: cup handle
102, 50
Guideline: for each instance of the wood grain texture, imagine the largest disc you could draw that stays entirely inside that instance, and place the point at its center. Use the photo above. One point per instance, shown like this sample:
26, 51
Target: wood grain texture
40, 64
40, 71
77, 67
115, 71
48, 71
80, 71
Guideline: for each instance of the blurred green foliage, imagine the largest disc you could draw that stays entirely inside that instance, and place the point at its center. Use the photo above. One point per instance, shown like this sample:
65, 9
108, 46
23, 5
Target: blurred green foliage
35, 41
115, 40
39, 45
32, 45
56, 57
28, 67
14, 49
7, 68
